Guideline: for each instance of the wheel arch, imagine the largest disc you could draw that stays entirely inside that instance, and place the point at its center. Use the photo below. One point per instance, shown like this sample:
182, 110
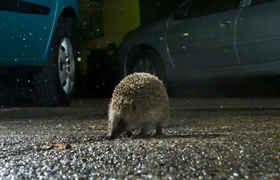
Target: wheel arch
68, 12
140, 48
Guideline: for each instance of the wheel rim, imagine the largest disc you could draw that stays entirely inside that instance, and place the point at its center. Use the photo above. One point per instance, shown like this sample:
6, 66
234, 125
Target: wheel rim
66, 66
144, 65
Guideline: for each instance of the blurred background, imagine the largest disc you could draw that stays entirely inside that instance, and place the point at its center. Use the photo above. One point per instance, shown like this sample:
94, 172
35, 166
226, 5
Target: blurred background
103, 25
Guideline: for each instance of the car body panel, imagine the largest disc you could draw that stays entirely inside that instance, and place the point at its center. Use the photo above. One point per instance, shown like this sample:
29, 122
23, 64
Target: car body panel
32, 31
34, 24
224, 58
203, 42
257, 33
7, 20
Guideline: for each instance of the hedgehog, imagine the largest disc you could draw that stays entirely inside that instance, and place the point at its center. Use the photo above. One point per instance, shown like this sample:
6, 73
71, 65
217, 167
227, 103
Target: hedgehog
140, 100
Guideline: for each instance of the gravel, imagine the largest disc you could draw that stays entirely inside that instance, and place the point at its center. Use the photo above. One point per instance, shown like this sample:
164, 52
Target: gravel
206, 139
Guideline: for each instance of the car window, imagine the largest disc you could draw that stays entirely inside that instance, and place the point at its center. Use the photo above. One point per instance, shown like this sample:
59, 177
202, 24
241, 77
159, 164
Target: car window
254, 2
204, 7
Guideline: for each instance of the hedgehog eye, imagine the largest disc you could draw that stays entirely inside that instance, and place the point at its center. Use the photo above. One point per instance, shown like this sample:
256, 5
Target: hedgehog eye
121, 123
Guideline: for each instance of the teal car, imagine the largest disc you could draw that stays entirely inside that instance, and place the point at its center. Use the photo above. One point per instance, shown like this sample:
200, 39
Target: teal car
41, 37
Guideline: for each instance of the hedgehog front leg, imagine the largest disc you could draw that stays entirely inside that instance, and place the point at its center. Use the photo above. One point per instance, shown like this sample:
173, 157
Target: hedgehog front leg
144, 130
159, 129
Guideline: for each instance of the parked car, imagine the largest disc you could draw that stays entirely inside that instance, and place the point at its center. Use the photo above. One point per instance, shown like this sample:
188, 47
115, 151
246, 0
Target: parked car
207, 39
41, 37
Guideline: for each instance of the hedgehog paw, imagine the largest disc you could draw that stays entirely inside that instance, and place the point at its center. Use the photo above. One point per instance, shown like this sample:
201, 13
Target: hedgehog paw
159, 130
128, 134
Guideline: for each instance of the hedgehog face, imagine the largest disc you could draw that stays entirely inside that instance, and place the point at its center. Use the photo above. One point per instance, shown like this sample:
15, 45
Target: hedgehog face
117, 125
119, 119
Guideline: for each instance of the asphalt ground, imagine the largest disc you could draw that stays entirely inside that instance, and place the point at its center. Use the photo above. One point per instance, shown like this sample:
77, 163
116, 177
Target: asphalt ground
206, 138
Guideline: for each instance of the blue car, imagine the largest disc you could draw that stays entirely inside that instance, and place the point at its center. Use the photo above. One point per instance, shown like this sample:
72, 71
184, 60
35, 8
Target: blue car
41, 37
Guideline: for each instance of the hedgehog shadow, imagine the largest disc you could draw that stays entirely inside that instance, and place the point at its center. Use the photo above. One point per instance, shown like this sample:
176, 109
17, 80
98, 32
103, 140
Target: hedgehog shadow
185, 136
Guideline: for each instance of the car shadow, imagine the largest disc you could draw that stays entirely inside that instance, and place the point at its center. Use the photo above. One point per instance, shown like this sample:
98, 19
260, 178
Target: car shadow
13, 97
18, 102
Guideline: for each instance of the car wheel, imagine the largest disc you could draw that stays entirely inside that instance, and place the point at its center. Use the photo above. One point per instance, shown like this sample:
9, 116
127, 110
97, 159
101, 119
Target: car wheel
54, 85
147, 61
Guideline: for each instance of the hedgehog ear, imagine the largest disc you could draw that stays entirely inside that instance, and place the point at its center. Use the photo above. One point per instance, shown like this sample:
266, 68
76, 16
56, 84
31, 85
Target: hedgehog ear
133, 107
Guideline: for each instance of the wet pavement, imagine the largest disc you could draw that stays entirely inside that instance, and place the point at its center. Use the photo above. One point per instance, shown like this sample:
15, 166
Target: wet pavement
219, 138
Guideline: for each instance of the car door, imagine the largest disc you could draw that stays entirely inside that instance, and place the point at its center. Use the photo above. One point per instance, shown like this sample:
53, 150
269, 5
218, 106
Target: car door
258, 32
33, 27
201, 34
7, 18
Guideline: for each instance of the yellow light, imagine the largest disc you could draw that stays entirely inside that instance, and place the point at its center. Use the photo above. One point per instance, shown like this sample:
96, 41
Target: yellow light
185, 34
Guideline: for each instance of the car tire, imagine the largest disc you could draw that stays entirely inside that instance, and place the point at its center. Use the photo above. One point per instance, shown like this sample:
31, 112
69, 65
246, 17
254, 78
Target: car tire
147, 61
54, 85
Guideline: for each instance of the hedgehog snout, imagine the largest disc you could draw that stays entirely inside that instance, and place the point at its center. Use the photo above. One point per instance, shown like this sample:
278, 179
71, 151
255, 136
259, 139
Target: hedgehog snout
119, 128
